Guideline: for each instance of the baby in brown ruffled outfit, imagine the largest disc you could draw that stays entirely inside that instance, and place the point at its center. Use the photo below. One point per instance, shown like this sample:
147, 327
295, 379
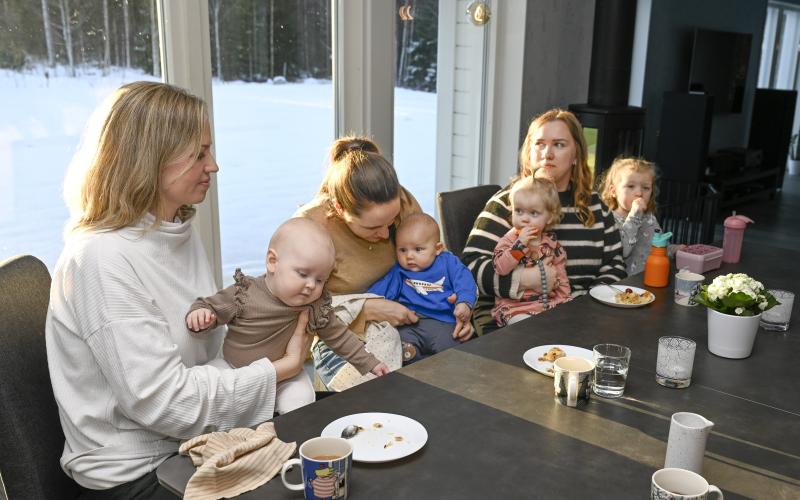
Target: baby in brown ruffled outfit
262, 313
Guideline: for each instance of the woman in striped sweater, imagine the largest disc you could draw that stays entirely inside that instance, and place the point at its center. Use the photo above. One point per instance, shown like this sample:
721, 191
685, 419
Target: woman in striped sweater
555, 149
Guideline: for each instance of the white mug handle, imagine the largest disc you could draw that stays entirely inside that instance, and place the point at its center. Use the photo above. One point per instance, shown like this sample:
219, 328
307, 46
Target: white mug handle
714, 489
572, 389
288, 465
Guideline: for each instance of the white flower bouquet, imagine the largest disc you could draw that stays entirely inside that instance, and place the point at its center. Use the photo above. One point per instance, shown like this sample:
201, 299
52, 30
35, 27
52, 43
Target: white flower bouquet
736, 294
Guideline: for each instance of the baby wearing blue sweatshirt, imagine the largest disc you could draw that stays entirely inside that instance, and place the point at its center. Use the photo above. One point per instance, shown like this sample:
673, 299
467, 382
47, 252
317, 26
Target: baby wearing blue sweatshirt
433, 283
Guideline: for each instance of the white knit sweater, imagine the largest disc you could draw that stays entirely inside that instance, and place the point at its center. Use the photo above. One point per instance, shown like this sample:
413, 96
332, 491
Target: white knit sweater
128, 378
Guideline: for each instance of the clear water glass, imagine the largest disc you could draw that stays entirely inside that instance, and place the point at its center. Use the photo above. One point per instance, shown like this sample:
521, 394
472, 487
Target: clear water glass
675, 361
777, 318
611, 369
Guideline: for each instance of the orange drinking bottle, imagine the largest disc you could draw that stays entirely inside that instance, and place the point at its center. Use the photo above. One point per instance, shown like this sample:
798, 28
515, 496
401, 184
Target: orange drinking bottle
656, 268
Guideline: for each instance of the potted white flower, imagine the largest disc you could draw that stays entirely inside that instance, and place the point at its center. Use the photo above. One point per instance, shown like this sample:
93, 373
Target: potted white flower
735, 303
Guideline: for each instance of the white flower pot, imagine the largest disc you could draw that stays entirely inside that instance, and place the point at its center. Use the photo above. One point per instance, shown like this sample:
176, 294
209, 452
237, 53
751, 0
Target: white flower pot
731, 336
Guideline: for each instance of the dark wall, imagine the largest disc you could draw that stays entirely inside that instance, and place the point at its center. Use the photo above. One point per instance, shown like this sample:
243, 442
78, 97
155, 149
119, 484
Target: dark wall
669, 52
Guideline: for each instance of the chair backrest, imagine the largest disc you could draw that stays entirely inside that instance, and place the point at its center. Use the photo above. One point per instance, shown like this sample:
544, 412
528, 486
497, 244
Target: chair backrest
688, 210
31, 439
457, 213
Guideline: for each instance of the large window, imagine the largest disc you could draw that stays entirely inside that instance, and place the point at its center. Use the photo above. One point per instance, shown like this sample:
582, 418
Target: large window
273, 117
58, 61
415, 98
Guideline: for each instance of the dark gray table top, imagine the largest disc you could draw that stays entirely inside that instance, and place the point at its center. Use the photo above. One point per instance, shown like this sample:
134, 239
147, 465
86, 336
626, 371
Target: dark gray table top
496, 431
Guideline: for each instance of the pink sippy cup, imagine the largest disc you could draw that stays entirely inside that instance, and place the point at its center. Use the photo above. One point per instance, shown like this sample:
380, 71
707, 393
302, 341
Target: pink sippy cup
734, 234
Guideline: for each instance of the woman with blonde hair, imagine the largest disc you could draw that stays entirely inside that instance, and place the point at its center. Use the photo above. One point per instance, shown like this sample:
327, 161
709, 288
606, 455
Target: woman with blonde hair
554, 149
361, 202
129, 382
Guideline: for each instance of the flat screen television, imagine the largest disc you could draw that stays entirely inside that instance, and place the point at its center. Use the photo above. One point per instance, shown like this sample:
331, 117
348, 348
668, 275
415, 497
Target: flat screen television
719, 67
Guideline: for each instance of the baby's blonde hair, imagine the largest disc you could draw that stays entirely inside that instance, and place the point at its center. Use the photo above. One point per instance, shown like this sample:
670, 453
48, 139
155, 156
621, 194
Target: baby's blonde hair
545, 189
611, 177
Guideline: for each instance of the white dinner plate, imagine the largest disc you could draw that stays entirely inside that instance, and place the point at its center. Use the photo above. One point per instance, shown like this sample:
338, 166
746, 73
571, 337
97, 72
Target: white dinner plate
532, 355
607, 295
385, 436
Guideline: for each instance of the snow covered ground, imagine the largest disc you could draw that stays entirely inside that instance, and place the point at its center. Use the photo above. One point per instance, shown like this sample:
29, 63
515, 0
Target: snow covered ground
271, 146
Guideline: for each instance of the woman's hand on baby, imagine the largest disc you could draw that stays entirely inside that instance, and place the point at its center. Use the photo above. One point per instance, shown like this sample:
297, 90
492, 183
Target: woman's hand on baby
292, 361
200, 319
387, 310
380, 370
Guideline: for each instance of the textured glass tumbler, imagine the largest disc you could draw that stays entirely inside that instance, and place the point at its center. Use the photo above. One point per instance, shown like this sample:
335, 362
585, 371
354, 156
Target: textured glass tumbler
777, 318
675, 362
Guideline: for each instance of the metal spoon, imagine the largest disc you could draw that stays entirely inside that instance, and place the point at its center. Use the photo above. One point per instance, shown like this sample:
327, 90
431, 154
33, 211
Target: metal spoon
612, 287
351, 430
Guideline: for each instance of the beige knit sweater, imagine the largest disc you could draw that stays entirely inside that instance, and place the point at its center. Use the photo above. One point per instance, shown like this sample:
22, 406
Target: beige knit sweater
260, 325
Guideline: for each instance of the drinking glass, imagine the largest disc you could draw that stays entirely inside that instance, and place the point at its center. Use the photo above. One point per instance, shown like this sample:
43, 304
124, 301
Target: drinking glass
777, 318
611, 369
675, 361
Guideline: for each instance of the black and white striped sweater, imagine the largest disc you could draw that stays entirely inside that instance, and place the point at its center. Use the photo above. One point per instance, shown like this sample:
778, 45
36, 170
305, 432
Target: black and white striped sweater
594, 254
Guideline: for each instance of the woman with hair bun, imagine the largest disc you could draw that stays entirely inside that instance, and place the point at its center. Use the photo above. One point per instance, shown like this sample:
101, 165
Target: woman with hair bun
360, 202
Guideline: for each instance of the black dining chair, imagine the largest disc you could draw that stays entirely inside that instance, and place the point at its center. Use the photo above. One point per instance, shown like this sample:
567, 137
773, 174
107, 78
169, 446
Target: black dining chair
688, 210
31, 435
457, 213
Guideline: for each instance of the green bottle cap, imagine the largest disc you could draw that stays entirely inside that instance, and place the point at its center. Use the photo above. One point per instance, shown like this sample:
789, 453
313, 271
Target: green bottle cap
661, 239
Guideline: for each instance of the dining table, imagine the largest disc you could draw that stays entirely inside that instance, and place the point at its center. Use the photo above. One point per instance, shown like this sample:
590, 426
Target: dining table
495, 429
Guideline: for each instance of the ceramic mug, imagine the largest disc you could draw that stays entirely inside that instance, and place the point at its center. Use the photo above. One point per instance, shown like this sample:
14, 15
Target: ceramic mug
572, 380
687, 285
680, 484
325, 464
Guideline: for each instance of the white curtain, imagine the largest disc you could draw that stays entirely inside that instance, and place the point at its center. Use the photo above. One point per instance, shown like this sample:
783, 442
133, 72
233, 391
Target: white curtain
787, 60
768, 47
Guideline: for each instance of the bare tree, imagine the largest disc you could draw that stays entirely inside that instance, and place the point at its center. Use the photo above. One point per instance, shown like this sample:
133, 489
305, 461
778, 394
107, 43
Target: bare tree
67, 33
127, 25
106, 38
272, 38
215, 4
48, 36
154, 51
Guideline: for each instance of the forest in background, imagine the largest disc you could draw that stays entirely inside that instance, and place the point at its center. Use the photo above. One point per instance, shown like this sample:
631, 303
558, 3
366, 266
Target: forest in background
251, 40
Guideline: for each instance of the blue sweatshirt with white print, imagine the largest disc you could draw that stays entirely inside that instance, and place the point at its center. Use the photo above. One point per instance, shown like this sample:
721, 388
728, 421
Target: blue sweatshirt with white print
425, 292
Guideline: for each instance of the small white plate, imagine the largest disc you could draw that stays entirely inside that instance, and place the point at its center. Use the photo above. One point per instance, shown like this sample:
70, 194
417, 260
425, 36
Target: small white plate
385, 436
607, 295
532, 355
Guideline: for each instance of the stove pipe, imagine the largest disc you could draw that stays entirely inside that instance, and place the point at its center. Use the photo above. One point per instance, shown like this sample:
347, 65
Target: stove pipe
612, 46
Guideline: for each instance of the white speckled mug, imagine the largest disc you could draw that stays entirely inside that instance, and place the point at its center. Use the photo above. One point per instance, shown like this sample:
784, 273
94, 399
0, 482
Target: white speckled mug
680, 484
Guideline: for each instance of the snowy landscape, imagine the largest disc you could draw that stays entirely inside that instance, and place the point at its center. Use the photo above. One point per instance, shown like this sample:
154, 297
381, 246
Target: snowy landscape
271, 142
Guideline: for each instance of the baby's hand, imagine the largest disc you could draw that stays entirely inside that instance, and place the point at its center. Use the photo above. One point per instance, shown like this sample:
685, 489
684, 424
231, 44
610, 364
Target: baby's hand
452, 298
380, 370
200, 319
463, 329
462, 312
638, 206
526, 234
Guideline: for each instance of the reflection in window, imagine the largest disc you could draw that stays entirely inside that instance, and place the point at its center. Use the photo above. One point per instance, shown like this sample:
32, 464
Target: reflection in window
58, 61
417, 32
273, 117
